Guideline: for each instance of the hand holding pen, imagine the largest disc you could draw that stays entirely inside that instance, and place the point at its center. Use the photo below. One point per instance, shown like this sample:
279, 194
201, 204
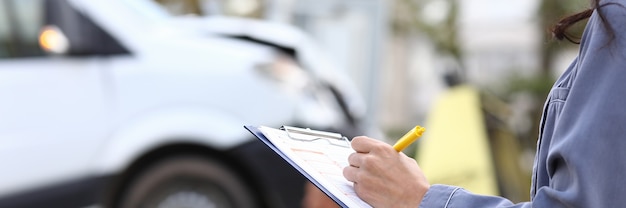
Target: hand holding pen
383, 176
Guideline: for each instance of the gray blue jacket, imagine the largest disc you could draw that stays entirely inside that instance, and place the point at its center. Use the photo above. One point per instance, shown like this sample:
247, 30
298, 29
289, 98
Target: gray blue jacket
581, 151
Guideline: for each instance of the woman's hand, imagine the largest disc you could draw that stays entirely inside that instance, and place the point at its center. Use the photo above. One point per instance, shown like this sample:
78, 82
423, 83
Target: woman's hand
383, 177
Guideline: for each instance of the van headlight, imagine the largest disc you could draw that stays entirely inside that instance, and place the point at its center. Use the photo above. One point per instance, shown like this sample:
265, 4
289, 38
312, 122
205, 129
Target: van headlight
285, 71
316, 105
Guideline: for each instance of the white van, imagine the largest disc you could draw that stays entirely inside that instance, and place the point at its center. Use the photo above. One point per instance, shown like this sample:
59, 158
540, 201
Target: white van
115, 103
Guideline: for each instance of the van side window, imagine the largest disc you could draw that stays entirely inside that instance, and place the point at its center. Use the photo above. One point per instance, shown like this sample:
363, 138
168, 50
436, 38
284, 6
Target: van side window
84, 35
20, 21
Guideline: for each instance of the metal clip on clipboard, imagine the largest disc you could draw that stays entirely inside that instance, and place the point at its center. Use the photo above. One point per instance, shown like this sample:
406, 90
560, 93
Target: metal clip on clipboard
308, 135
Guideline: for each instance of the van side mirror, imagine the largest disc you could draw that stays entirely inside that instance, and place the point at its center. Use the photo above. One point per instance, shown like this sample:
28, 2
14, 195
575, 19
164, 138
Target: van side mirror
83, 36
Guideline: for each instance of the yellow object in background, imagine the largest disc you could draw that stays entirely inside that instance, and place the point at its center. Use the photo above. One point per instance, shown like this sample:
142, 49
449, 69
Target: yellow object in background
456, 150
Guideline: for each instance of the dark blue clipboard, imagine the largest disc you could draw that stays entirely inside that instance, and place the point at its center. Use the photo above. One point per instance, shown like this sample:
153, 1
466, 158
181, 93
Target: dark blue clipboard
258, 134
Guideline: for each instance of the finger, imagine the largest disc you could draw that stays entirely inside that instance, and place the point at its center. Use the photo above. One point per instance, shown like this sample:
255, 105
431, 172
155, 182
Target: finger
349, 173
363, 144
353, 160
406, 157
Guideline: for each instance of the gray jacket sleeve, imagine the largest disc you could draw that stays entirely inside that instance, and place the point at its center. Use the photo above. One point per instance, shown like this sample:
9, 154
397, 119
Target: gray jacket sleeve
581, 155
441, 196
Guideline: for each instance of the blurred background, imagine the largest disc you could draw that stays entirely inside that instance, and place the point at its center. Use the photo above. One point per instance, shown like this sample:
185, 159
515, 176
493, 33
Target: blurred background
397, 52
119, 89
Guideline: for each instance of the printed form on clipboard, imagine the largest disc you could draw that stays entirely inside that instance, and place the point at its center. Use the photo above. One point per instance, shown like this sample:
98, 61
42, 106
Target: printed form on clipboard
318, 155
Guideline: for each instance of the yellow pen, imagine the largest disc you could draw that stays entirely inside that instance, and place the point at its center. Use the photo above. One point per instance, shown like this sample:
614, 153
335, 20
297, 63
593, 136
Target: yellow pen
409, 138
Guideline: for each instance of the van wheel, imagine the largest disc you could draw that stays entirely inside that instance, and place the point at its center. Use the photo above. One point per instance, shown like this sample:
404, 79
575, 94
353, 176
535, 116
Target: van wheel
189, 182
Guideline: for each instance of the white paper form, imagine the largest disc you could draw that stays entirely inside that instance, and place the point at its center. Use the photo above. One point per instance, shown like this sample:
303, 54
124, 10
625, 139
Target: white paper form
321, 159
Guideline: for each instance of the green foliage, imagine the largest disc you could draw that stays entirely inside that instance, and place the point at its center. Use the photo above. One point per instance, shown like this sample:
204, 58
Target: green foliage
538, 86
550, 12
408, 19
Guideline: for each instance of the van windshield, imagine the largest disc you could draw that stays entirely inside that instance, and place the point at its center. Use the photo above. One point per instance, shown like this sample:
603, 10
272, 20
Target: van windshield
149, 9
241, 8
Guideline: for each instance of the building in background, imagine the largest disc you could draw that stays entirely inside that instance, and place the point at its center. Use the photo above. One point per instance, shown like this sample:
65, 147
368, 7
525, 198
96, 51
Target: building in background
353, 31
500, 38
497, 40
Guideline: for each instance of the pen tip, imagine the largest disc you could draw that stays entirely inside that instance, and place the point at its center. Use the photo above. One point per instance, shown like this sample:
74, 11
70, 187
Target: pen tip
419, 130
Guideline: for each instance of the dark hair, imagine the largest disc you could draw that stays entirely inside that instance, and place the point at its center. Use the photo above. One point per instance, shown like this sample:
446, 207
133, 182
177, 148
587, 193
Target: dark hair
560, 28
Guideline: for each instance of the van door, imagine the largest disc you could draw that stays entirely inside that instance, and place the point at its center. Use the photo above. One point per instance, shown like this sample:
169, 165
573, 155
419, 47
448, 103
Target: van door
53, 109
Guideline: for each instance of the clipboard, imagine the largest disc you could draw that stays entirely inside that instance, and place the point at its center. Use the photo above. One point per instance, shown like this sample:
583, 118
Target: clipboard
318, 155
